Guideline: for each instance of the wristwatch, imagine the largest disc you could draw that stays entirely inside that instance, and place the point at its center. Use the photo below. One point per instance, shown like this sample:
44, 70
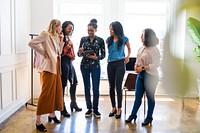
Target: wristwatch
142, 68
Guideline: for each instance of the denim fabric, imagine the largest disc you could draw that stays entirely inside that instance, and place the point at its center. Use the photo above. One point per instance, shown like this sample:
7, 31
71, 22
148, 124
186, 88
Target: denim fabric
145, 83
95, 75
116, 71
114, 53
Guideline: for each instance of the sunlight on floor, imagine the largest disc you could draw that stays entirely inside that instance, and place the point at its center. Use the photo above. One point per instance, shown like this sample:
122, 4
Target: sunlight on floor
82, 99
128, 99
157, 99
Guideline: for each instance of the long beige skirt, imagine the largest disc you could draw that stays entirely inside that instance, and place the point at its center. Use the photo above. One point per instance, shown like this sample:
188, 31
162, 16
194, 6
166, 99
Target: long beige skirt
51, 98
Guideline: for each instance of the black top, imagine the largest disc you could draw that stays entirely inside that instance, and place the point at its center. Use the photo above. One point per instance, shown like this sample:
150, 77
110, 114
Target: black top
98, 46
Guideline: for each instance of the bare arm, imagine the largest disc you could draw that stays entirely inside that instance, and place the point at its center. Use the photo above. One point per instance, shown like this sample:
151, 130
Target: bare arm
129, 52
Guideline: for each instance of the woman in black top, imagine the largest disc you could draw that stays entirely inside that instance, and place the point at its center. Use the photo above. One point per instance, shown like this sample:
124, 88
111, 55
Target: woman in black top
68, 71
92, 49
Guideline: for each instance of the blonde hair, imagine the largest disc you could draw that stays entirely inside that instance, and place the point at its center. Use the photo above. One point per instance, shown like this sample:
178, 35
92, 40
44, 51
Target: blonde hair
52, 26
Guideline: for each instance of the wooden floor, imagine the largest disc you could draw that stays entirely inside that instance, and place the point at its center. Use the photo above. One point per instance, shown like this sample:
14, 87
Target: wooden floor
170, 116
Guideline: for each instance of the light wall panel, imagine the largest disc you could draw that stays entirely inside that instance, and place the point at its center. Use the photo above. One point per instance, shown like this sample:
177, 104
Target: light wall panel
21, 21
0, 93
14, 60
22, 78
5, 28
6, 88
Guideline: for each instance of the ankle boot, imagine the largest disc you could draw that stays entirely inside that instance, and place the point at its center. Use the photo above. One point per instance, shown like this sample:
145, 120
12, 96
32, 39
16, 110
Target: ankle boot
54, 119
73, 105
130, 118
147, 121
65, 113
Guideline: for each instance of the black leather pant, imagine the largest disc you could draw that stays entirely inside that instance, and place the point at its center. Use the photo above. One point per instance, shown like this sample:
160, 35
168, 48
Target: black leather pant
68, 73
116, 71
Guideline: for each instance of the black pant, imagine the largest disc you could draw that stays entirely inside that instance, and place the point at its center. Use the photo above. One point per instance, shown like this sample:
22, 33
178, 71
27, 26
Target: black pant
116, 71
68, 73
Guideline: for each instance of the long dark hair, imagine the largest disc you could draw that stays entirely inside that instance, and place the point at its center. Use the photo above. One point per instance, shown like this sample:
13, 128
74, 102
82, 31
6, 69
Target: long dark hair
119, 32
150, 38
64, 25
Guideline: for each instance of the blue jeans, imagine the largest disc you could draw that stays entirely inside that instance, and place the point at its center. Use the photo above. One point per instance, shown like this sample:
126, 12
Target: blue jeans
145, 83
116, 71
95, 75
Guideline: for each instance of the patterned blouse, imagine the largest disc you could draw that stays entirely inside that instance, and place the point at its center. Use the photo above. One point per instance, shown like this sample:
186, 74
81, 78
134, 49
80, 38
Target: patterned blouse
98, 46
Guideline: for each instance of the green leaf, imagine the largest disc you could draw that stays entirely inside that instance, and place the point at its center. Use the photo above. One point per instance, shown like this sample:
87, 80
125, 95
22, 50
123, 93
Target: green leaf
197, 53
193, 26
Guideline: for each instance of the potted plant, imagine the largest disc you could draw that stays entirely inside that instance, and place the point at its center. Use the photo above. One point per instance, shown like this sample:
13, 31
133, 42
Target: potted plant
193, 26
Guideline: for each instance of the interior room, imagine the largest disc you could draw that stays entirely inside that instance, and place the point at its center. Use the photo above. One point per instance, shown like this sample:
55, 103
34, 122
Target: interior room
177, 26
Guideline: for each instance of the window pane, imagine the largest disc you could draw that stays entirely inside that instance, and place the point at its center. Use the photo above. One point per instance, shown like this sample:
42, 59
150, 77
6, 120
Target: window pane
136, 19
135, 24
146, 8
80, 8
80, 13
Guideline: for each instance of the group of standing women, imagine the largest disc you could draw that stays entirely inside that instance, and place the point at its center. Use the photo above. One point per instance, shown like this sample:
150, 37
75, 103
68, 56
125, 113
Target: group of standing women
55, 53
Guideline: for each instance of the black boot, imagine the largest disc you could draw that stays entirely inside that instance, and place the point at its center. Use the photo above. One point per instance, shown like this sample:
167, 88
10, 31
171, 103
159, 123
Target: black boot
73, 105
130, 118
54, 119
147, 121
64, 112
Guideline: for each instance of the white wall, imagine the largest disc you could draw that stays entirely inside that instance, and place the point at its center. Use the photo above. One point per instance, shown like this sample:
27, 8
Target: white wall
188, 9
14, 66
19, 18
41, 15
181, 45
192, 11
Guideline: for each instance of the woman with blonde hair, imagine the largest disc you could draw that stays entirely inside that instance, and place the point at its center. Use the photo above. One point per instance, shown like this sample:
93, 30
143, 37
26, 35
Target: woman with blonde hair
48, 46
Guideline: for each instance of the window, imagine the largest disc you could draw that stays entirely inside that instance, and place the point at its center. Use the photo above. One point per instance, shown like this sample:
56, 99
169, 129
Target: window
135, 15
80, 12
139, 15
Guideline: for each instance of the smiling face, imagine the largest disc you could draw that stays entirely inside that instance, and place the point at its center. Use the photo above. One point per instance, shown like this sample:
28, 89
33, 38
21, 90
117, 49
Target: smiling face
69, 30
91, 31
111, 30
58, 29
54, 27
